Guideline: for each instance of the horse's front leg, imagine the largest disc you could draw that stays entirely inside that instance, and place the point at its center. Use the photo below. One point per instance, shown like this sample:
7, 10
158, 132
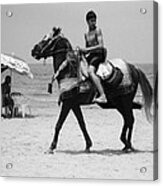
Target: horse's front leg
62, 116
78, 113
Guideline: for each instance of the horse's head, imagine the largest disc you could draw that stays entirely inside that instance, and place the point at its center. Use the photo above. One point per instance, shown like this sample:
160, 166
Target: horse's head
60, 49
48, 46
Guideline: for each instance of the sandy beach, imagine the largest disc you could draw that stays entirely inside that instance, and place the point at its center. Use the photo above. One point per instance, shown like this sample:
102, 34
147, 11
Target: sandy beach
24, 140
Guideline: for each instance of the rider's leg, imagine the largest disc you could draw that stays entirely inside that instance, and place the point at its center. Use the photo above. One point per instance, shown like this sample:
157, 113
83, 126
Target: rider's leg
84, 68
97, 82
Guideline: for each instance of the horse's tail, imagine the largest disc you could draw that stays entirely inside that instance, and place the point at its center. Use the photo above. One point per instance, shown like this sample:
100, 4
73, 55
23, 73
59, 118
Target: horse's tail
147, 93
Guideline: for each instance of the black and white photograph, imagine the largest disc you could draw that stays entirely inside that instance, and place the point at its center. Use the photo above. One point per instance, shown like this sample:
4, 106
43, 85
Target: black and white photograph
79, 90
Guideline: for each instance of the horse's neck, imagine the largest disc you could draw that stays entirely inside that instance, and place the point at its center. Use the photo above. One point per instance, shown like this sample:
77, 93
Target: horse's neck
57, 61
63, 46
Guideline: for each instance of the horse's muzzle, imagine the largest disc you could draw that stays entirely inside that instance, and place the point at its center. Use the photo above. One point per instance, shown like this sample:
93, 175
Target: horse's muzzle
35, 54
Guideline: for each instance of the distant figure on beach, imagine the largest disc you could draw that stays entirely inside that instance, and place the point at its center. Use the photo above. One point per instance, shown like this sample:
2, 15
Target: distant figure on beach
95, 52
7, 101
3, 68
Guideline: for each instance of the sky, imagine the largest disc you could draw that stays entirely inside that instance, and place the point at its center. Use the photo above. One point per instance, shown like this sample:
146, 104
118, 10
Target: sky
127, 33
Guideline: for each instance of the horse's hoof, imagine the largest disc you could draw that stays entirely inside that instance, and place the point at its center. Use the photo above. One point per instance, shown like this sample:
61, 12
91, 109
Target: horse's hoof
89, 145
132, 149
49, 151
87, 150
128, 149
124, 149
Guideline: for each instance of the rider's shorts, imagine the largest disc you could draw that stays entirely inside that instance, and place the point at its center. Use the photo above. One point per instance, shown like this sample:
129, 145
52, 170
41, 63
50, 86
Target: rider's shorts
96, 57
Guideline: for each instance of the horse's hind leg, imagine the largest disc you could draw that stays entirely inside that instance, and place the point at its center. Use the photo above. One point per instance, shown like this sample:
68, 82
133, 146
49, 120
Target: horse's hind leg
123, 134
130, 128
124, 106
78, 113
63, 114
128, 123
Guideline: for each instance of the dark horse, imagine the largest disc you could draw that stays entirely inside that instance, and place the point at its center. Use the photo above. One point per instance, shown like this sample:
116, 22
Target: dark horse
120, 97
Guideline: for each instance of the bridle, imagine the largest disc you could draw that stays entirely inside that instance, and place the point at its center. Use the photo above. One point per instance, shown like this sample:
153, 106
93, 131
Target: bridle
54, 51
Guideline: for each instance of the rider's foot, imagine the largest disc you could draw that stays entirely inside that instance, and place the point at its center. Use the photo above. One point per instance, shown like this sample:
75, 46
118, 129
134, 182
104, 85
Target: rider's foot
101, 99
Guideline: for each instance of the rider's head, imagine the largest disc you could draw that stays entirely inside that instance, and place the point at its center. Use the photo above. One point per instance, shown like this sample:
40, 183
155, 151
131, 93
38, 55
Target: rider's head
91, 19
91, 15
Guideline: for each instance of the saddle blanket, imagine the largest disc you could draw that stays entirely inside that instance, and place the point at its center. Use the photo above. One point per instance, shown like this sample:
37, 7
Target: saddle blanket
105, 70
122, 65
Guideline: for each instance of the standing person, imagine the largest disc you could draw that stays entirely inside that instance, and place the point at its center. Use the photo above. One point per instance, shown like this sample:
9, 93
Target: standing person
96, 53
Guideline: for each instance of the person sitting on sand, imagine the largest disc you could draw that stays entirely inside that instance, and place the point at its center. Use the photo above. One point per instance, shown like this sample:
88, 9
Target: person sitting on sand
7, 101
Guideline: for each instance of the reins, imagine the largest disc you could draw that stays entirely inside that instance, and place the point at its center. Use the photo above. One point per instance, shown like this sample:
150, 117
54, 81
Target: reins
53, 48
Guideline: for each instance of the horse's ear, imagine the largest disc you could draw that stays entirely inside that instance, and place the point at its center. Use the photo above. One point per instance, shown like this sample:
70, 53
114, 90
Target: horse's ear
59, 29
56, 31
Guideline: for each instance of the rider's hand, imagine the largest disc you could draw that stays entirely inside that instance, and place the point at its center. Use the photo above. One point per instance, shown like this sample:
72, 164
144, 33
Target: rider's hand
83, 50
77, 48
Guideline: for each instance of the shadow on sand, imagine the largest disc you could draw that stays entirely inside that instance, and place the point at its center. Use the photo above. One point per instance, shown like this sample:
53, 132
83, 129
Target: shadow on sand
26, 116
19, 116
106, 152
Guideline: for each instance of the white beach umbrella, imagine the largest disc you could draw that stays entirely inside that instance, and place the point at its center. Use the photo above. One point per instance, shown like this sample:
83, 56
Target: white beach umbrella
15, 63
